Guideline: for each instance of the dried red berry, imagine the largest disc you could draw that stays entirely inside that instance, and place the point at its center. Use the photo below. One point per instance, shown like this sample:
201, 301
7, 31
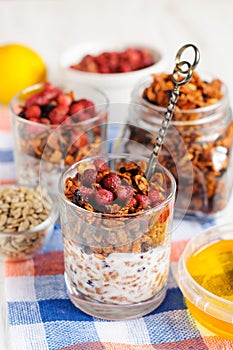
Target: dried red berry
147, 58
33, 112
87, 193
88, 104
124, 193
64, 100
132, 202
154, 196
104, 69
76, 107
58, 114
88, 177
42, 99
142, 200
50, 94
100, 164
32, 100
103, 197
110, 182
83, 105
125, 67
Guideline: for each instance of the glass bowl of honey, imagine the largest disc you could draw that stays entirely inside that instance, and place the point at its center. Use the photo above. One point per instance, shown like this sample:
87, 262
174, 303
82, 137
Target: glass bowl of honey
205, 277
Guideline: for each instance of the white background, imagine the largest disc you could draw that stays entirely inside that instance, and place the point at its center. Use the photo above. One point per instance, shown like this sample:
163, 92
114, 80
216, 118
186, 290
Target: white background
51, 26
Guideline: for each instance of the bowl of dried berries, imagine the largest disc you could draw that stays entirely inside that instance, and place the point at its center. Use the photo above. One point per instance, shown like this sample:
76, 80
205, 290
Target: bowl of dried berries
113, 67
54, 127
26, 221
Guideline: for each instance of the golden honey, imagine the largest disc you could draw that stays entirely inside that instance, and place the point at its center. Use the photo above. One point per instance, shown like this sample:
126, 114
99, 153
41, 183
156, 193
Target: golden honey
212, 268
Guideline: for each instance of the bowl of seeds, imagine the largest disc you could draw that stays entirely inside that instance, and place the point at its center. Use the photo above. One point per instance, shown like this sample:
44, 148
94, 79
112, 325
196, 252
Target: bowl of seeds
27, 217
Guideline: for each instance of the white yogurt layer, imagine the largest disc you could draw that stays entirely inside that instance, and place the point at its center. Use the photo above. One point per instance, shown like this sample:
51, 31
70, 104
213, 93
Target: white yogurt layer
121, 278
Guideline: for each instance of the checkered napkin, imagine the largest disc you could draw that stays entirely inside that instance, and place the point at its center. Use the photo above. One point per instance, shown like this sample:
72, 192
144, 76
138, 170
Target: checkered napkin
40, 316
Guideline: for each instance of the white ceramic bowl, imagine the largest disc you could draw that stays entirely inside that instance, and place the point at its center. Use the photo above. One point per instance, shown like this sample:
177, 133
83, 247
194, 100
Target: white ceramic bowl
117, 86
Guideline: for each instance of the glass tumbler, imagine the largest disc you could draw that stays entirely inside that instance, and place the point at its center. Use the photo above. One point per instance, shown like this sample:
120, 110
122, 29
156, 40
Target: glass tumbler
116, 266
42, 151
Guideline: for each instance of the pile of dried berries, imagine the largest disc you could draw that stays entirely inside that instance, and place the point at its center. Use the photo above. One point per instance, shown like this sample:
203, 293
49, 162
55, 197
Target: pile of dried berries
96, 188
52, 106
129, 60
207, 135
195, 94
22, 209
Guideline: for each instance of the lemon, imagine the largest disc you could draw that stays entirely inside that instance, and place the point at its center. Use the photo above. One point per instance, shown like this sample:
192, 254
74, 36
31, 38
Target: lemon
20, 67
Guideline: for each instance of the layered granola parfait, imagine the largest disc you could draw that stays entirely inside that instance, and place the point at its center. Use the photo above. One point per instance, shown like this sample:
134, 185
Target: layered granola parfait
116, 228
55, 127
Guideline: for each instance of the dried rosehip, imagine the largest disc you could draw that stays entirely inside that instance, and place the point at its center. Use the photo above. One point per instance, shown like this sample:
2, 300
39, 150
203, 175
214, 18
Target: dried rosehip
76, 107
88, 177
133, 202
33, 112
124, 193
154, 196
87, 193
81, 105
143, 201
64, 100
58, 114
103, 197
100, 164
110, 182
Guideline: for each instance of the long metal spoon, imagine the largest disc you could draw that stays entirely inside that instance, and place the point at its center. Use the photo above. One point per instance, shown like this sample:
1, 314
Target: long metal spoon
182, 74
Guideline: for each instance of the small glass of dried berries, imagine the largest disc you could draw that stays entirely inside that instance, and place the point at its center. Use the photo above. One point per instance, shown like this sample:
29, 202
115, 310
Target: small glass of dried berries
116, 234
58, 126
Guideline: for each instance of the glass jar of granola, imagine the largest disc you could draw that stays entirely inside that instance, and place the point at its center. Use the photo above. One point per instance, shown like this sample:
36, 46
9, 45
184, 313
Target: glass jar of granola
201, 132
